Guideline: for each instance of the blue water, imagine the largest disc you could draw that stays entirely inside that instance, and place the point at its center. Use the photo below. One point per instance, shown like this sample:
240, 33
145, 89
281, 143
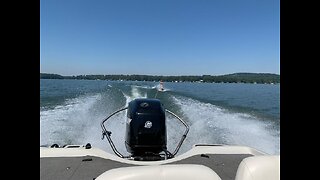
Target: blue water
222, 113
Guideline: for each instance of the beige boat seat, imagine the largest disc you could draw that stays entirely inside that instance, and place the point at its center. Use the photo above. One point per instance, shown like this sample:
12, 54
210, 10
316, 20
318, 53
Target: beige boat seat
160, 172
259, 168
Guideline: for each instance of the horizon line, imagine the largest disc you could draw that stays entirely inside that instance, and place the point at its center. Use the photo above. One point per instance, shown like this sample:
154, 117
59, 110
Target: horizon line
166, 75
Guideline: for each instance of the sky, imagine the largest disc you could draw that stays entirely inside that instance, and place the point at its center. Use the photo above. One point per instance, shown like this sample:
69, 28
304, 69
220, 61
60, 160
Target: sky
159, 37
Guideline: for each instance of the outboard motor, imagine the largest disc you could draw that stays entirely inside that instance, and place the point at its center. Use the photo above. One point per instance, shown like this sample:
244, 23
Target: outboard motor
146, 133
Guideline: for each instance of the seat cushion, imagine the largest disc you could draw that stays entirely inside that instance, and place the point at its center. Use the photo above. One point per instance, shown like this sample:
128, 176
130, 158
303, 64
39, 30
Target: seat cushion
259, 168
161, 172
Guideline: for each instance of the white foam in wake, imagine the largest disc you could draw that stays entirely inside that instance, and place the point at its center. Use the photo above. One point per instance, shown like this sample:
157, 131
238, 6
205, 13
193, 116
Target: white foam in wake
117, 125
159, 89
134, 94
211, 124
67, 123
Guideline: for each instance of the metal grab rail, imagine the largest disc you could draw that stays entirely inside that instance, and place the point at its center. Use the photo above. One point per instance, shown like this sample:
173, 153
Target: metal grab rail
108, 133
183, 136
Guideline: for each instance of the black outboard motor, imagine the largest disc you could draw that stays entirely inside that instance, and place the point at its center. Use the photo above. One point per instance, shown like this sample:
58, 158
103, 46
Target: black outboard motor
146, 132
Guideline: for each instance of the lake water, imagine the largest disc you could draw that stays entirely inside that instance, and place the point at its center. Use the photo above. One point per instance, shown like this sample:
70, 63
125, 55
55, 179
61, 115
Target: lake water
218, 113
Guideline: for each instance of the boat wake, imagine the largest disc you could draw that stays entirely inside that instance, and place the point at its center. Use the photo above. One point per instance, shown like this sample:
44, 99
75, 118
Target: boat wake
77, 121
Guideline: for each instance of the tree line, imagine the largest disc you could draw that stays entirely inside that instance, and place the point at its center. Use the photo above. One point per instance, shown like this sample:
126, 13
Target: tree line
229, 78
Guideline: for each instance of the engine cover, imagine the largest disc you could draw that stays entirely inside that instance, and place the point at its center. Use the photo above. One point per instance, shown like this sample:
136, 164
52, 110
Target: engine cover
146, 127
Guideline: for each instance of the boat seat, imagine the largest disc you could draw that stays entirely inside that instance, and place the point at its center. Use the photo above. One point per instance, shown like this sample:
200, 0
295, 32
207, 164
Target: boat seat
161, 172
259, 168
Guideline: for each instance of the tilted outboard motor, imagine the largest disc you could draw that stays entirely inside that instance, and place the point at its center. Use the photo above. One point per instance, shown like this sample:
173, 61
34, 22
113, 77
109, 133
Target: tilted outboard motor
146, 133
146, 127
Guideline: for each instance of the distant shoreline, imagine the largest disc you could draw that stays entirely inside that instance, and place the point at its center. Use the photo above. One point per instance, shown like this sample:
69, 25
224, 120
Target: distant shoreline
254, 78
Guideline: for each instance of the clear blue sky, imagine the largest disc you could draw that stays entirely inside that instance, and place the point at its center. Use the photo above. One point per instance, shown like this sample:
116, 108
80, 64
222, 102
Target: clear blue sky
159, 37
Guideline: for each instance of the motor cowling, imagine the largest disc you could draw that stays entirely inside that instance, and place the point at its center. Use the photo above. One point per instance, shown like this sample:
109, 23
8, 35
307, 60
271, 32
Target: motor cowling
145, 127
